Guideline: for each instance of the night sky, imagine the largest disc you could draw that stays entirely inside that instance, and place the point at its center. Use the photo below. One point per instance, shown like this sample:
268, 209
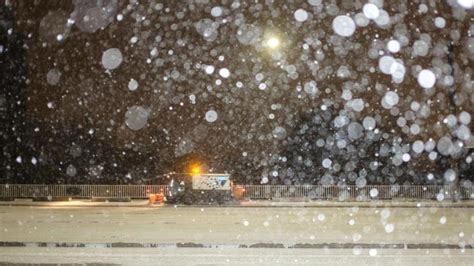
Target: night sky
273, 92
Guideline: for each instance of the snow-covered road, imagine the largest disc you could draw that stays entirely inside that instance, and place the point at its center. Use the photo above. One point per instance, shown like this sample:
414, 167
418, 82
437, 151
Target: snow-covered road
361, 231
238, 225
237, 257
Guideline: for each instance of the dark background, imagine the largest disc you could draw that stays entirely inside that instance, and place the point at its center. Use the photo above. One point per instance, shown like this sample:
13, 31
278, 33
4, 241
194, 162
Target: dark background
49, 139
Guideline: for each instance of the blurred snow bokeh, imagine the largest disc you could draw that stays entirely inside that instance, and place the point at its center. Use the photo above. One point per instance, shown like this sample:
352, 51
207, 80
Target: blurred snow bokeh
309, 92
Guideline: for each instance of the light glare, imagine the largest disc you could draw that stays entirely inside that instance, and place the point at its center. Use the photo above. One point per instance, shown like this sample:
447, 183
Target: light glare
273, 42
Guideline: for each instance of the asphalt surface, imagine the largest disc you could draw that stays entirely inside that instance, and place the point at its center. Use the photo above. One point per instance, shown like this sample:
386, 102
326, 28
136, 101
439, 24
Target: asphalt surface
285, 235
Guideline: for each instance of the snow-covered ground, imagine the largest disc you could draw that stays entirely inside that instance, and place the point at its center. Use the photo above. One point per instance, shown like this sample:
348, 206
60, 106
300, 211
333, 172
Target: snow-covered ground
238, 225
240, 257
361, 229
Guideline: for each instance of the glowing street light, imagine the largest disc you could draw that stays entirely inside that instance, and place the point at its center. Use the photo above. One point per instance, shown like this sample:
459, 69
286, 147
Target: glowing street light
272, 42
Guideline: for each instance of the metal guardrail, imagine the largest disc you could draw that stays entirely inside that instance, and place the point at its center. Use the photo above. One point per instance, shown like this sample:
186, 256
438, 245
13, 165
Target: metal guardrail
265, 192
354, 193
80, 191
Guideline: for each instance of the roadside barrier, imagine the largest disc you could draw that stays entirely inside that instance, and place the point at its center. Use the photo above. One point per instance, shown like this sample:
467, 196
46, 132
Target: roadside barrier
352, 192
254, 192
80, 191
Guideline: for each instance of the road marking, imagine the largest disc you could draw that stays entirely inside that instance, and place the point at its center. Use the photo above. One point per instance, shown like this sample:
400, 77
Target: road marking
242, 246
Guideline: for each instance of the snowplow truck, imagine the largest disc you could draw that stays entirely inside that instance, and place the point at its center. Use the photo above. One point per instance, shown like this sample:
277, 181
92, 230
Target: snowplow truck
200, 189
